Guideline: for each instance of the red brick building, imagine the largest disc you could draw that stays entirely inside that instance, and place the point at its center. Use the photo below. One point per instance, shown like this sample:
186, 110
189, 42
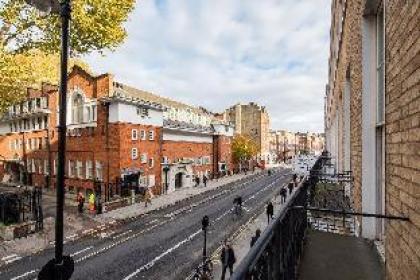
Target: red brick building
114, 132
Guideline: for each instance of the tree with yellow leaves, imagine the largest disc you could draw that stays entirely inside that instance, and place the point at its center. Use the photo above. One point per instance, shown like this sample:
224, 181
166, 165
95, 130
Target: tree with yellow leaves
30, 69
30, 42
96, 25
243, 148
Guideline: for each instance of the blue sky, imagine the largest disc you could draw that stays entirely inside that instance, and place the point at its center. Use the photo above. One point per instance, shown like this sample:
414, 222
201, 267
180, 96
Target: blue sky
216, 53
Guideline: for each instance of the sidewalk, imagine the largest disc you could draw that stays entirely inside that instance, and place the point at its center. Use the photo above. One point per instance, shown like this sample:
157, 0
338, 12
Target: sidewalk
241, 239
165, 200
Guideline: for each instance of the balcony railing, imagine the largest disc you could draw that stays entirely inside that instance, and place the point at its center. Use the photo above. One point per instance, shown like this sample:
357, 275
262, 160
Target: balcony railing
277, 252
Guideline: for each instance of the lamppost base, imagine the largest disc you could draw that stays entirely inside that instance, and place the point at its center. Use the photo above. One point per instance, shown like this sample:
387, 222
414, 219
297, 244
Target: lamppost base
54, 271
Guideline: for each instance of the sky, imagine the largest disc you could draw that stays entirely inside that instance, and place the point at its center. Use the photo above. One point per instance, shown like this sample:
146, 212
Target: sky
216, 53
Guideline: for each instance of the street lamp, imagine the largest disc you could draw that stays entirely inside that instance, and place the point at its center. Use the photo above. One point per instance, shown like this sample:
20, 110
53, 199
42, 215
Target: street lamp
166, 170
60, 267
205, 223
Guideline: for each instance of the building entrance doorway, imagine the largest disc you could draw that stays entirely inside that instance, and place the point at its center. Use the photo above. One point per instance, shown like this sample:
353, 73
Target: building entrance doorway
178, 180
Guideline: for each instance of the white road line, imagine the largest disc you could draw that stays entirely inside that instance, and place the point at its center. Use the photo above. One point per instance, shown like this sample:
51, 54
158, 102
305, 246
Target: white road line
81, 251
71, 236
24, 275
9, 257
13, 260
122, 234
170, 250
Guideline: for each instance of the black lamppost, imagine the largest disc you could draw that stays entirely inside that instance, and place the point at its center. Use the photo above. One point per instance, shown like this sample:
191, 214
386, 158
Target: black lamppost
166, 170
205, 224
60, 267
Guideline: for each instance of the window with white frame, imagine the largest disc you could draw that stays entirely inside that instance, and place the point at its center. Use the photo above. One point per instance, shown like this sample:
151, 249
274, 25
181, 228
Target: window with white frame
151, 162
142, 134
165, 159
151, 181
28, 165
55, 167
39, 162
151, 135
89, 169
79, 168
99, 170
143, 158
206, 160
71, 169
33, 167
46, 167
134, 134
134, 153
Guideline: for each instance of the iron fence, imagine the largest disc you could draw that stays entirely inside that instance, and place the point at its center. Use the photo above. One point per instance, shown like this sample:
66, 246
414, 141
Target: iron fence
17, 207
276, 253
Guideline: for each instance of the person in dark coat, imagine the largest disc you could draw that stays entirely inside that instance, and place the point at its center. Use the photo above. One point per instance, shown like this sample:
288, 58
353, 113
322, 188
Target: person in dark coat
269, 211
283, 195
197, 181
255, 238
290, 187
205, 180
228, 259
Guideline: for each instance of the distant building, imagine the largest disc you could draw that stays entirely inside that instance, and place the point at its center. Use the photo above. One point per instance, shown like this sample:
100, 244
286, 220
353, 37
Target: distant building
285, 144
114, 133
253, 121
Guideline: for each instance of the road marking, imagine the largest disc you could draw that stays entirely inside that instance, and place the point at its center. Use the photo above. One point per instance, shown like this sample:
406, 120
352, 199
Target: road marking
81, 251
170, 250
13, 260
122, 234
24, 275
9, 257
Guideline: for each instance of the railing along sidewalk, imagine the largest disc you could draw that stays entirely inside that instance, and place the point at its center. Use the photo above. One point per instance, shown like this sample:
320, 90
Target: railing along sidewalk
277, 251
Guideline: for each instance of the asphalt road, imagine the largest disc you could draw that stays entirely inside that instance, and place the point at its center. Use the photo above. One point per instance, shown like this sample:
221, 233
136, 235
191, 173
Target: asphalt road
165, 244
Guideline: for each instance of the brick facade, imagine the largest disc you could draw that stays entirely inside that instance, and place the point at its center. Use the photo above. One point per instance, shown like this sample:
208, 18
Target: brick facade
349, 69
104, 141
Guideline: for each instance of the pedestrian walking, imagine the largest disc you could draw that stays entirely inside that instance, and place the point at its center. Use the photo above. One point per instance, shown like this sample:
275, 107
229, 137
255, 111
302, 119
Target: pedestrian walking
269, 211
228, 259
283, 195
295, 179
290, 187
147, 197
205, 180
80, 202
255, 237
92, 202
197, 181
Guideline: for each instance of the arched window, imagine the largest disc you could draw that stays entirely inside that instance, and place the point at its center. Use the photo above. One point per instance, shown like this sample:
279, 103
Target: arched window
77, 107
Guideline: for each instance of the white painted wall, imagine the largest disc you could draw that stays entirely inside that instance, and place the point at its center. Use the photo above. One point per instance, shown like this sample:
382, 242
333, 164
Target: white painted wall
368, 126
346, 132
127, 113
221, 130
4, 128
181, 136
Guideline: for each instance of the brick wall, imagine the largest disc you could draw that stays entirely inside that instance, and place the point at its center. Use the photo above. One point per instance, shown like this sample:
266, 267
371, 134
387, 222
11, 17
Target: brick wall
403, 138
176, 150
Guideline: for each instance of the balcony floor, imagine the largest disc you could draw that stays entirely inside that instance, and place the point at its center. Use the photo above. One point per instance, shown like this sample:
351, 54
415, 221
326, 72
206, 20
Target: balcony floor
329, 256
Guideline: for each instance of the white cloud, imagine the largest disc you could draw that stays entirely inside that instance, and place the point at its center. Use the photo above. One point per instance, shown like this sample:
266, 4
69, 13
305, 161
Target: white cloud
219, 52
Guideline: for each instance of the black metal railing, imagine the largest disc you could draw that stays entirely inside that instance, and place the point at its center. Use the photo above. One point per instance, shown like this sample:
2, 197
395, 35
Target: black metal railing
17, 207
276, 253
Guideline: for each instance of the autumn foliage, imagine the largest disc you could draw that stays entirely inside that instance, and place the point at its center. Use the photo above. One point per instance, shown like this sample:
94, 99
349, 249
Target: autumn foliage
243, 148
